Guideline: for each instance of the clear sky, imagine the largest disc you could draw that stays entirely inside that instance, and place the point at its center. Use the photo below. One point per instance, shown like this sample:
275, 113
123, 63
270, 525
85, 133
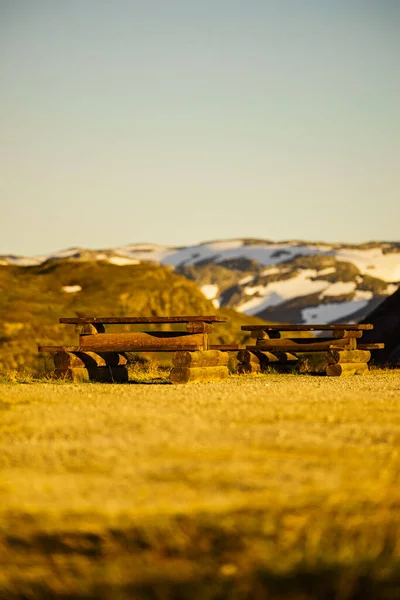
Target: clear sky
180, 121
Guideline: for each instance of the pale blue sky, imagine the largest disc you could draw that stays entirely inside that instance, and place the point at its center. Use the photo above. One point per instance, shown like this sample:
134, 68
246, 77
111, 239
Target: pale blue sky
180, 121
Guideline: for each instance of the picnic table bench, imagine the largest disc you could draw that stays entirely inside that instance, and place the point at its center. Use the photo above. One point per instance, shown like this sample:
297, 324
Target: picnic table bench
101, 356
338, 354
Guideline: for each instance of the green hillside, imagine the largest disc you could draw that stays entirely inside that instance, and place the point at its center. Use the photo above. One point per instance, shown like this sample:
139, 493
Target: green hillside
32, 299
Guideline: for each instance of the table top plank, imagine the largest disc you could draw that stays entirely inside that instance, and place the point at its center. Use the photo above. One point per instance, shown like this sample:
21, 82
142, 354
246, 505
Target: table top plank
143, 320
100, 349
335, 327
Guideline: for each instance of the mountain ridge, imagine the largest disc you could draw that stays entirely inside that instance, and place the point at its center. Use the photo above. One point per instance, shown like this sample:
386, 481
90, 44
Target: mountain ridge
292, 281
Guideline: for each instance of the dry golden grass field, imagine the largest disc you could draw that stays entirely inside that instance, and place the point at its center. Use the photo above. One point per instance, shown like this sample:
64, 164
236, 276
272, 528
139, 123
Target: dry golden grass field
271, 486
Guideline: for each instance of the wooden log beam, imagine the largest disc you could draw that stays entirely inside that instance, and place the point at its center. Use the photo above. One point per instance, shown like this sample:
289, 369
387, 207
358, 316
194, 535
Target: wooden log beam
208, 358
150, 340
248, 368
317, 362
224, 347
63, 359
101, 349
99, 374
350, 356
376, 346
343, 333
277, 327
246, 356
303, 345
198, 374
346, 369
137, 341
143, 320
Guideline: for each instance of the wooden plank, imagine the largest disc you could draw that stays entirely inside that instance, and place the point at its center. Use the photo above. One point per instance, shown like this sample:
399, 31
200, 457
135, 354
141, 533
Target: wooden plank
224, 347
317, 362
289, 346
99, 374
346, 369
99, 349
208, 358
345, 326
198, 374
247, 368
143, 320
377, 346
342, 333
247, 356
350, 356
135, 341
305, 341
63, 360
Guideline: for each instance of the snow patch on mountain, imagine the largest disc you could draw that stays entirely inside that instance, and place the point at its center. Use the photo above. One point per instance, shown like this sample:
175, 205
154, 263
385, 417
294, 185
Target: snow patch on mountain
276, 292
328, 313
373, 262
339, 288
71, 289
122, 261
327, 271
211, 292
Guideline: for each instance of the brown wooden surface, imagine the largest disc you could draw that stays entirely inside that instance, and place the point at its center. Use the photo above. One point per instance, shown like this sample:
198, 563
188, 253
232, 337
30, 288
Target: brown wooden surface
143, 320
346, 369
100, 374
317, 362
135, 341
339, 333
224, 347
350, 356
100, 349
245, 356
198, 374
377, 346
88, 359
345, 326
304, 341
289, 346
208, 358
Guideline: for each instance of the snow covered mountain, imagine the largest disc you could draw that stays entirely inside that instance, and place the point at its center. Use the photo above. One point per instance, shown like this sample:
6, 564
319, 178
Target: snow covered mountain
300, 282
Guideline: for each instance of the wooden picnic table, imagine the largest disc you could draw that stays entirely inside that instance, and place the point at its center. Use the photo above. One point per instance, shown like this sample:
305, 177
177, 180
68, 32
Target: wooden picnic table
96, 347
93, 337
339, 353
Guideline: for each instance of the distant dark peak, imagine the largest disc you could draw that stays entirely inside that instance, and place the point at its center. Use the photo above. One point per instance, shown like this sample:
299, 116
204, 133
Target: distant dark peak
201, 263
280, 253
240, 264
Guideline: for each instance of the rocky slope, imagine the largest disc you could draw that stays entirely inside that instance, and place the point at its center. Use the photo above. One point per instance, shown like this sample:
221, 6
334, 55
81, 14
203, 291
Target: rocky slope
298, 282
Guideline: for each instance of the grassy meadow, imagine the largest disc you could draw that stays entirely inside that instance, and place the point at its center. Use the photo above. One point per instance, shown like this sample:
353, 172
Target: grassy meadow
269, 486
